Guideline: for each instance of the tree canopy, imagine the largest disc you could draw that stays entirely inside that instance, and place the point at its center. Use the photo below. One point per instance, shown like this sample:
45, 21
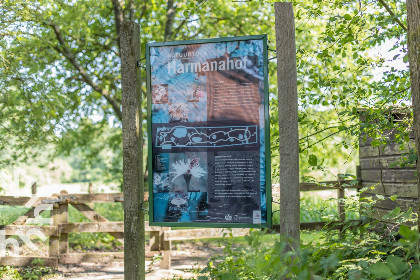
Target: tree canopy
60, 78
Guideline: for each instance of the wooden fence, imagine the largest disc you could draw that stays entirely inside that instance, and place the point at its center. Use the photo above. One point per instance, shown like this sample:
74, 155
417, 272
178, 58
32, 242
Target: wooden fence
160, 237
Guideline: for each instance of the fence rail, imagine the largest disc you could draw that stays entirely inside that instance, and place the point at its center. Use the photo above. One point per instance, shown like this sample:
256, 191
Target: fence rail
160, 237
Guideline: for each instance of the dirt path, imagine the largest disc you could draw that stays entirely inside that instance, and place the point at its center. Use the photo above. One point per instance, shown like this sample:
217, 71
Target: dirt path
186, 258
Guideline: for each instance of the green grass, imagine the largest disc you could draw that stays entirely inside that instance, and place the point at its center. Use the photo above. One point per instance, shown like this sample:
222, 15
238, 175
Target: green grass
318, 209
96, 241
8, 214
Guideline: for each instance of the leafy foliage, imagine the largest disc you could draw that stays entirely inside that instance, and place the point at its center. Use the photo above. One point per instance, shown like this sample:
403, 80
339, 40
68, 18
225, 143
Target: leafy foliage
35, 272
61, 80
374, 249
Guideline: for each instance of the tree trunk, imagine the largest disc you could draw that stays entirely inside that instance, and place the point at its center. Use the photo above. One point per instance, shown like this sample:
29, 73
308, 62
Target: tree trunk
413, 34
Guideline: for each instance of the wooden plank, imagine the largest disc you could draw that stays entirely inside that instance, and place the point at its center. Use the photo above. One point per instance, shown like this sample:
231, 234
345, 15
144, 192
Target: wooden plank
19, 201
371, 175
378, 214
388, 162
387, 203
77, 258
388, 134
89, 213
399, 176
320, 225
154, 228
328, 185
368, 151
367, 142
134, 237
92, 227
202, 233
152, 254
394, 149
394, 162
28, 261
25, 229
101, 197
288, 121
22, 219
374, 187
401, 190
97, 197
370, 163
96, 217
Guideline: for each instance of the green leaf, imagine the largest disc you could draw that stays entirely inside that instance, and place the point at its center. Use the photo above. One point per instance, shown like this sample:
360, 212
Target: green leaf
412, 158
408, 234
415, 274
375, 143
380, 270
396, 265
313, 160
392, 214
347, 17
228, 276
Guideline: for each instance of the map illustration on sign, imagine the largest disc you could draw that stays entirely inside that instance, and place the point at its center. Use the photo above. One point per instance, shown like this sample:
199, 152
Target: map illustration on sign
208, 132
182, 136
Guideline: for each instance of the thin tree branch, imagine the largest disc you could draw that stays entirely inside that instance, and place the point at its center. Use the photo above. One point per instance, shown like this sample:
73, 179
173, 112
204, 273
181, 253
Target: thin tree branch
170, 15
393, 15
319, 131
186, 19
64, 50
119, 18
143, 11
130, 8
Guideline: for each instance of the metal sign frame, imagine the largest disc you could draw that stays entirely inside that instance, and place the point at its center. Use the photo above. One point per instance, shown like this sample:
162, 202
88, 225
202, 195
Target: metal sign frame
268, 224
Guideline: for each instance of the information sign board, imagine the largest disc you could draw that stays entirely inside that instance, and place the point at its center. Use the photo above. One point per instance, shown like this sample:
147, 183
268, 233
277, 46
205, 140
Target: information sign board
208, 133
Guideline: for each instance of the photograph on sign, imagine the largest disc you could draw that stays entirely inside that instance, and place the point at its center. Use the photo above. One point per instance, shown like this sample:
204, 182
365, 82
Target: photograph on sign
208, 132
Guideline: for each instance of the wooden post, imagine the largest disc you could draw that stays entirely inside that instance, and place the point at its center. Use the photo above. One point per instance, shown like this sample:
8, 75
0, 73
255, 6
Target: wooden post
90, 188
341, 208
90, 191
288, 122
54, 241
63, 219
166, 250
134, 236
155, 240
34, 189
413, 22
359, 179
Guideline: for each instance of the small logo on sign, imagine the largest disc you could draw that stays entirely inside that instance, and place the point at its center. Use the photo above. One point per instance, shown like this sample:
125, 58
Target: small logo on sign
228, 217
256, 218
